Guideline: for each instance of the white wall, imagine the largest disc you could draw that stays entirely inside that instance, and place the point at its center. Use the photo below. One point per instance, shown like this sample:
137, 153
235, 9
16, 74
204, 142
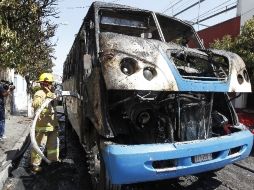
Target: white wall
20, 95
19, 101
245, 9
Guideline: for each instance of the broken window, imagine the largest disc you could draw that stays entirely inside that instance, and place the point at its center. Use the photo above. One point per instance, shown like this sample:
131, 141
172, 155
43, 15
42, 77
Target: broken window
142, 24
132, 23
177, 31
194, 65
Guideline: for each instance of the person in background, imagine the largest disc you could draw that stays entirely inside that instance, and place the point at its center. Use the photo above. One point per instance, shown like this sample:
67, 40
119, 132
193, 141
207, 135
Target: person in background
46, 129
5, 90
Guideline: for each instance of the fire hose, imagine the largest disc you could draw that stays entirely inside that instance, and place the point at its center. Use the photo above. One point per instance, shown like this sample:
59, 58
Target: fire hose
37, 114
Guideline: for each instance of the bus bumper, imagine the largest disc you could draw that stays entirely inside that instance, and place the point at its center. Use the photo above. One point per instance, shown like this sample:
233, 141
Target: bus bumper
127, 164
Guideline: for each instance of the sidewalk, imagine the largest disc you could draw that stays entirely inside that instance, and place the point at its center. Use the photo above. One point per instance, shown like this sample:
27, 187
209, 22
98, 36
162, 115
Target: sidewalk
17, 129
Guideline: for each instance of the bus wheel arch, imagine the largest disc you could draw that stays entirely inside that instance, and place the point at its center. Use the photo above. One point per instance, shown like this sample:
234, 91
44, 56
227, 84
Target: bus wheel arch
95, 162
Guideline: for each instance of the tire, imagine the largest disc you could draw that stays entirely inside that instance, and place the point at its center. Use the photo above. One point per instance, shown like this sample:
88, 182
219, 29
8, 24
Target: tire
66, 120
97, 170
67, 128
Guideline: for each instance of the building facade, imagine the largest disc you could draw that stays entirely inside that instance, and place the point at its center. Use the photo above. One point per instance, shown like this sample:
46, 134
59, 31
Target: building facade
245, 10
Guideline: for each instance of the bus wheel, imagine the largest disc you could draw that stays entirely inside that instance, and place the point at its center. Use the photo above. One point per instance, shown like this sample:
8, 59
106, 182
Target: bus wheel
96, 167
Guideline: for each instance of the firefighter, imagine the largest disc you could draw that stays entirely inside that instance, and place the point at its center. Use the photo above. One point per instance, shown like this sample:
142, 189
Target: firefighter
46, 130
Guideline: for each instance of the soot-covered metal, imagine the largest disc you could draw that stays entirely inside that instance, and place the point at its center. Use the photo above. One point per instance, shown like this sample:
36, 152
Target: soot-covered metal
161, 81
152, 97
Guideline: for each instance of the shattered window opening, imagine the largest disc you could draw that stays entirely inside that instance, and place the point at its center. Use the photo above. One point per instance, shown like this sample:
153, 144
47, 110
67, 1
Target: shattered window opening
178, 32
142, 24
200, 66
133, 23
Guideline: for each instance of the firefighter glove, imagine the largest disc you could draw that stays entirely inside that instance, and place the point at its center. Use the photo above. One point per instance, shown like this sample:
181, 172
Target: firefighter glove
50, 95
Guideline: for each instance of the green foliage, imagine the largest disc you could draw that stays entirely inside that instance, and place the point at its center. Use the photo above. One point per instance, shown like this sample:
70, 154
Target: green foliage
25, 35
243, 45
227, 43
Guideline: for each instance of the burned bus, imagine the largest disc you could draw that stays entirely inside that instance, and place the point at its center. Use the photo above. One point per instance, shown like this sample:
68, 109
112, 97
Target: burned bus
151, 103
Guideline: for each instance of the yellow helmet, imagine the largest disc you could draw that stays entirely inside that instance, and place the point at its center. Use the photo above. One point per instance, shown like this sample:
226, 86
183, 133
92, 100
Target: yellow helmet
46, 77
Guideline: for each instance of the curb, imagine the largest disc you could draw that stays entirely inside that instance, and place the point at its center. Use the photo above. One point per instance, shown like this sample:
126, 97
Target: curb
6, 166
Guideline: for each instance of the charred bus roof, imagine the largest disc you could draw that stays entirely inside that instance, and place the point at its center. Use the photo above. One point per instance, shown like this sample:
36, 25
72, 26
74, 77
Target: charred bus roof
138, 19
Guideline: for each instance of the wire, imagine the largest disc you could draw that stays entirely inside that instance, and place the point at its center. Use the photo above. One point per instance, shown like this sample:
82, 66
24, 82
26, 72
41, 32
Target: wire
218, 8
193, 23
115, 1
172, 6
222, 8
188, 3
247, 12
209, 11
227, 9
83, 7
180, 6
213, 10
194, 4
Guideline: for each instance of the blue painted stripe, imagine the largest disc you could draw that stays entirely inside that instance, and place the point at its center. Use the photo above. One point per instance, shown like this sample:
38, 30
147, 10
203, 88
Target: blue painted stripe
133, 163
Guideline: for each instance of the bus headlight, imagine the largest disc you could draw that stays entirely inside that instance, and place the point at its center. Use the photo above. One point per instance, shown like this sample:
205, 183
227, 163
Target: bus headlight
149, 73
128, 66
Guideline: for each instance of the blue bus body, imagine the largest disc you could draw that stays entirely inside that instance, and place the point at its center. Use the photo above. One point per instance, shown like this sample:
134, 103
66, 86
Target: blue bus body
134, 163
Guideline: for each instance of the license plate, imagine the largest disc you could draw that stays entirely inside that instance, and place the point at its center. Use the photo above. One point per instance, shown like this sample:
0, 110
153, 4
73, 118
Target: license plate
203, 158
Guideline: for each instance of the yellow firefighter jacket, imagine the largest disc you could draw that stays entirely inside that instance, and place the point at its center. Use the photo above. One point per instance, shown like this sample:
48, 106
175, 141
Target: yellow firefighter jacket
47, 120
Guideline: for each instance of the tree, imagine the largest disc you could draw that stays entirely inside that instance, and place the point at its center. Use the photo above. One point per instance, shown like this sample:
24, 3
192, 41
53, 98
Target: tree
243, 45
25, 35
